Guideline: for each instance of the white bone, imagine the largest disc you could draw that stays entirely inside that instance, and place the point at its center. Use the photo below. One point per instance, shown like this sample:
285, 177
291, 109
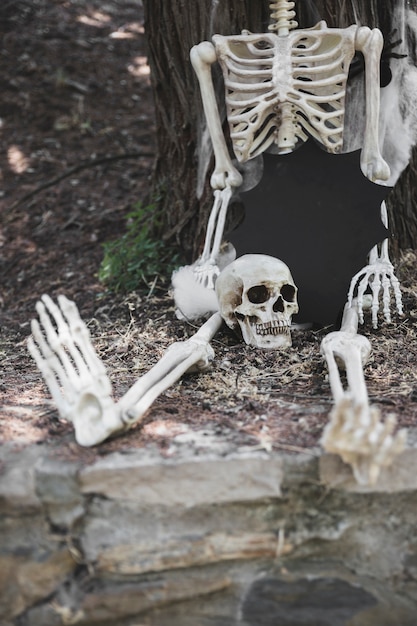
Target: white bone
77, 379
352, 351
257, 294
206, 269
370, 43
202, 57
380, 276
280, 88
355, 431
282, 15
193, 285
181, 357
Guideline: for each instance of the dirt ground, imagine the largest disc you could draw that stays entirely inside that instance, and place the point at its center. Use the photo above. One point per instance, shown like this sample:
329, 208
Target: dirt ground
77, 137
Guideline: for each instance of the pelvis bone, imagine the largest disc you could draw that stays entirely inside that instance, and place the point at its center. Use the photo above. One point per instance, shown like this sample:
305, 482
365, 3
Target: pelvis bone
257, 293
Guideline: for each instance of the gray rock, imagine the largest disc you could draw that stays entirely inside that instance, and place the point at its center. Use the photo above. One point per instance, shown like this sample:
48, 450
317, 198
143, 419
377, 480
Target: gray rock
235, 478
56, 485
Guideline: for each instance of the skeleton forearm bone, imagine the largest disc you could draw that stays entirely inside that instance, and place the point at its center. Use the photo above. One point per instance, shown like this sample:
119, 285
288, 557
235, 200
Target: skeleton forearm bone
370, 43
225, 174
206, 269
181, 357
350, 350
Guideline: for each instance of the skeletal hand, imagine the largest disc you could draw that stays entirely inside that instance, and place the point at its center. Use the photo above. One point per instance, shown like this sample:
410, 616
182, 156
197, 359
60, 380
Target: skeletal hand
206, 273
74, 374
355, 432
379, 275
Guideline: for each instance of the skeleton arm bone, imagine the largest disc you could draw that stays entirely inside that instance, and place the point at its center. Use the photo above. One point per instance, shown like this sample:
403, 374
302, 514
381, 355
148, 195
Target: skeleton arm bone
181, 357
352, 352
206, 270
370, 43
202, 56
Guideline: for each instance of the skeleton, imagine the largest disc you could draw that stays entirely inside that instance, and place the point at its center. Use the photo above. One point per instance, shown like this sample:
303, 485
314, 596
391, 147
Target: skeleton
281, 88
257, 294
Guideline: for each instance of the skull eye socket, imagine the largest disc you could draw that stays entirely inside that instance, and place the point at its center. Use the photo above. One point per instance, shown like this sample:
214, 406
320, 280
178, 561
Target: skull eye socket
288, 293
258, 294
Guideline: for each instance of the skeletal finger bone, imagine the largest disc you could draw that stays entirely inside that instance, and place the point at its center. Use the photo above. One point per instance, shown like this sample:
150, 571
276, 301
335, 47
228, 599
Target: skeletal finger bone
50, 367
77, 379
257, 294
355, 431
206, 269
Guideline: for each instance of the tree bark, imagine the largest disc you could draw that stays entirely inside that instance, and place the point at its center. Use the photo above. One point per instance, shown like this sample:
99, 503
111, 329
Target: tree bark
172, 28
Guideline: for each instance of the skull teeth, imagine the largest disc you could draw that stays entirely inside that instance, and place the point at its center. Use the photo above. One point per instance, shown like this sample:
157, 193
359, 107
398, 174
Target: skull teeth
275, 327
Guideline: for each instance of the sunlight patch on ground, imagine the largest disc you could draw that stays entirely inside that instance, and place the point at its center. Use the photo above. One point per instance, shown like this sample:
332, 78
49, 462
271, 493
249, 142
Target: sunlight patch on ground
128, 31
18, 162
120, 34
139, 67
20, 427
96, 19
164, 428
28, 397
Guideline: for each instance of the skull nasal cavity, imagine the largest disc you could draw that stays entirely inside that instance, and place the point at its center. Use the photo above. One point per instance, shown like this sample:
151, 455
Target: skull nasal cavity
278, 305
258, 294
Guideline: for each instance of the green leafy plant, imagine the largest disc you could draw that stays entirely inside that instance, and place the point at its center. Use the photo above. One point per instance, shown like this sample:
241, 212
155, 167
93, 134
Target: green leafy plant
138, 256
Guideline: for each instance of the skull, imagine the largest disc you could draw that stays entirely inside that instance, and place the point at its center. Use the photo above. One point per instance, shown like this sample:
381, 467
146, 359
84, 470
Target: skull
257, 293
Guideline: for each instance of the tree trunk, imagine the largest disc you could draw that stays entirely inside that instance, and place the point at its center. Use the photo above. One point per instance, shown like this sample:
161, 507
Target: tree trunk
172, 29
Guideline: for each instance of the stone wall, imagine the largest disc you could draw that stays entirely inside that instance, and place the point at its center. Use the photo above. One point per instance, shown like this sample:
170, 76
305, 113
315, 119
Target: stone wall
205, 537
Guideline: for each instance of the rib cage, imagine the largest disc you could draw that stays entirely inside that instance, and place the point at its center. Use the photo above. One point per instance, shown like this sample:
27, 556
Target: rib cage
280, 90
